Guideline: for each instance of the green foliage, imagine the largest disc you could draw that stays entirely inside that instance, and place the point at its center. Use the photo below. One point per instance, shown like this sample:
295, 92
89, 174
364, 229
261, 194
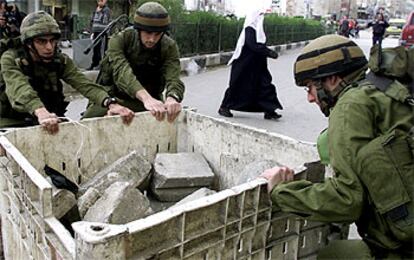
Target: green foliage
205, 32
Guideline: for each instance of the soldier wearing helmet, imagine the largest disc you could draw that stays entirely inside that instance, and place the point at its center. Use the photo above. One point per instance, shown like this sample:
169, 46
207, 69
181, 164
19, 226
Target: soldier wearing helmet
31, 91
369, 146
141, 63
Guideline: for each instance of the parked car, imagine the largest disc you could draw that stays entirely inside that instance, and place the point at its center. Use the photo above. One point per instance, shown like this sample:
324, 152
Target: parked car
395, 27
407, 35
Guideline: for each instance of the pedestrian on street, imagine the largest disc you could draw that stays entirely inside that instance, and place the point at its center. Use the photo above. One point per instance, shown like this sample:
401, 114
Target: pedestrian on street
141, 63
344, 27
250, 87
99, 20
370, 142
31, 90
378, 28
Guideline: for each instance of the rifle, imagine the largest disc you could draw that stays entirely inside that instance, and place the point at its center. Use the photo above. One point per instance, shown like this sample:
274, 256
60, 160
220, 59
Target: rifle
122, 21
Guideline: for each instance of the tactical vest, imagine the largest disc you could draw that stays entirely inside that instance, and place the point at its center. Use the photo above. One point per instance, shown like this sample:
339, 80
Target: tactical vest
386, 169
45, 80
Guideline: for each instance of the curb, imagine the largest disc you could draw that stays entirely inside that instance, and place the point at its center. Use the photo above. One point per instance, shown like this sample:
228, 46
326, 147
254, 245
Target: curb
197, 64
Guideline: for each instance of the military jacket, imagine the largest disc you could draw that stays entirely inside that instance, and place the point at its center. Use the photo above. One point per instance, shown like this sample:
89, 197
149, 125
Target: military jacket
361, 114
129, 67
26, 86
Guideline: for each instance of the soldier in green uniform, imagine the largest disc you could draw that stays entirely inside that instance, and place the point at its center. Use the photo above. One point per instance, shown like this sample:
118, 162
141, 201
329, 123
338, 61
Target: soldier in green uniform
30, 87
142, 66
371, 149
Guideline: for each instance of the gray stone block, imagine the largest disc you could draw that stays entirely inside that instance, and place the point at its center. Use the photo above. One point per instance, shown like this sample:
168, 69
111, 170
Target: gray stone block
87, 200
181, 170
132, 168
119, 204
200, 193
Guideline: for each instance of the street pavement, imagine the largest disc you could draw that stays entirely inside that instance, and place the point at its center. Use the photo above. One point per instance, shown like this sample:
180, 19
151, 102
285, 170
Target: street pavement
301, 120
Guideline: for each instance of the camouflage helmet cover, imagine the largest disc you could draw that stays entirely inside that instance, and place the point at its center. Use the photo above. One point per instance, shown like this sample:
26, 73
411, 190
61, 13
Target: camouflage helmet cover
328, 55
152, 17
38, 24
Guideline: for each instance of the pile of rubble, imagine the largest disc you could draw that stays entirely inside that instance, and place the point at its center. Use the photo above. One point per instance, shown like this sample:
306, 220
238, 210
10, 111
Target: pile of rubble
131, 188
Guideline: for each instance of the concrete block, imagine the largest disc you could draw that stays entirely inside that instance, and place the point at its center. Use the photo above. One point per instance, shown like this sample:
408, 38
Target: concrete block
157, 205
120, 203
132, 168
181, 170
200, 193
87, 200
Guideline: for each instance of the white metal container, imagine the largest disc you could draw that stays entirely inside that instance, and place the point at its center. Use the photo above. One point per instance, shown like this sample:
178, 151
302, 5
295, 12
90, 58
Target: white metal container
235, 223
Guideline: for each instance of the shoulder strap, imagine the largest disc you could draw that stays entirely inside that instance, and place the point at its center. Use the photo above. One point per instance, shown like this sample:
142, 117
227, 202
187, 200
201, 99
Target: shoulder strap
385, 85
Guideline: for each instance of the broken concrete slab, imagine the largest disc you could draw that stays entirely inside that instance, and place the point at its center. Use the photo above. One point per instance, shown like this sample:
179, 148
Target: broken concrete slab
132, 168
87, 200
119, 204
157, 205
200, 193
181, 170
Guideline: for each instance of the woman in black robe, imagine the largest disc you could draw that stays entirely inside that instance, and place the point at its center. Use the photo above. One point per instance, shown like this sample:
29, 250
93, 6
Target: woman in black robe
250, 88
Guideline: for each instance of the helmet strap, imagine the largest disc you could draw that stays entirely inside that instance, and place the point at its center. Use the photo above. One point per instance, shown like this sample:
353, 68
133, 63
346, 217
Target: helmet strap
327, 99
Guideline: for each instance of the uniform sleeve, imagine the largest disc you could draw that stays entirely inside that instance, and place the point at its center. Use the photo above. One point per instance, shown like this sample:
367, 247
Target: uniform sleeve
71, 75
252, 44
122, 73
338, 199
23, 98
171, 70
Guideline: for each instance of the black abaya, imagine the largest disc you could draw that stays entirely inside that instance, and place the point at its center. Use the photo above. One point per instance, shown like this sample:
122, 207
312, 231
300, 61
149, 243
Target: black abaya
251, 88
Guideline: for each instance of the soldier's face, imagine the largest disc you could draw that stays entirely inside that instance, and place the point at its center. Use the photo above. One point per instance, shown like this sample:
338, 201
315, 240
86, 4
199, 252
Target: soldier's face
150, 39
45, 47
312, 95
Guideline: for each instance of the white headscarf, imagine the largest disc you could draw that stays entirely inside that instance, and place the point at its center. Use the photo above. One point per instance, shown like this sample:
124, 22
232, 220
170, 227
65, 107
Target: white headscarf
255, 20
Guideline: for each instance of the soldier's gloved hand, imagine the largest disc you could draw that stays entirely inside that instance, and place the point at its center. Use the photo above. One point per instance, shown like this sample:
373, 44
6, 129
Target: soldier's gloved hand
277, 175
49, 121
126, 113
173, 108
273, 55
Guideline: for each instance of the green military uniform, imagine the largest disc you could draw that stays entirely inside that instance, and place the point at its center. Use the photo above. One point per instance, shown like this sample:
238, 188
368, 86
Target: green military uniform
370, 150
129, 67
361, 114
27, 85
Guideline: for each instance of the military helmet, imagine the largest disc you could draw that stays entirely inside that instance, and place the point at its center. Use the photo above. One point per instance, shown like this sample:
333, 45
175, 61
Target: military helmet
38, 24
328, 55
152, 17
